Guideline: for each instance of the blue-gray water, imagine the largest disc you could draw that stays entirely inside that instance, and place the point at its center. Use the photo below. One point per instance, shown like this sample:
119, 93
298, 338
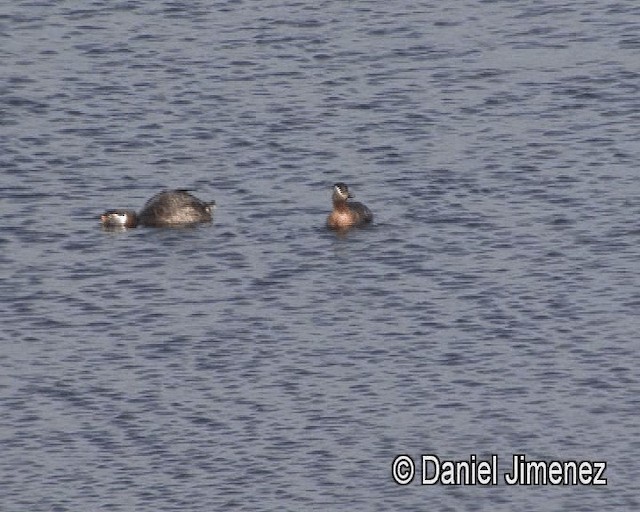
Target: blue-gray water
262, 362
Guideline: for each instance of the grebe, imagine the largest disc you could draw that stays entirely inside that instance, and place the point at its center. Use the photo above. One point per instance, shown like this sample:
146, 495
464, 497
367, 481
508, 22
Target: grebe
165, 209
347, 214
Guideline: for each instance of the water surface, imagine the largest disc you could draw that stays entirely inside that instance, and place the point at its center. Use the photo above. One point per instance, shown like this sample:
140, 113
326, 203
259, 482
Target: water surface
262, 362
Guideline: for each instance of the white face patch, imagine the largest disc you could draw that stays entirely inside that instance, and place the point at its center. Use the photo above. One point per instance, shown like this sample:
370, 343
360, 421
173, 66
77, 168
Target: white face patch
118, 218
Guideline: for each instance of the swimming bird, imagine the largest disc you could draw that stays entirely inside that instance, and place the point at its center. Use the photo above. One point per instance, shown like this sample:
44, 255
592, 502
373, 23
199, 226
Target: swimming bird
345, 213
166, 209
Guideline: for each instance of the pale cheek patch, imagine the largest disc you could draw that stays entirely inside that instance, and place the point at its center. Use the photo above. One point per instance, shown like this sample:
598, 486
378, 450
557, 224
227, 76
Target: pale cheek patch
118, 220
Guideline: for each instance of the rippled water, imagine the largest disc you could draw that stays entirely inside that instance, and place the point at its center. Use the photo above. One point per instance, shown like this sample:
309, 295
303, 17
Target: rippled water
262, 362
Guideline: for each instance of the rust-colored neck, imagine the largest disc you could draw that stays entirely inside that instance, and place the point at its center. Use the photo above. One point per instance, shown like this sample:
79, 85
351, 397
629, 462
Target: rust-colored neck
340, 204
